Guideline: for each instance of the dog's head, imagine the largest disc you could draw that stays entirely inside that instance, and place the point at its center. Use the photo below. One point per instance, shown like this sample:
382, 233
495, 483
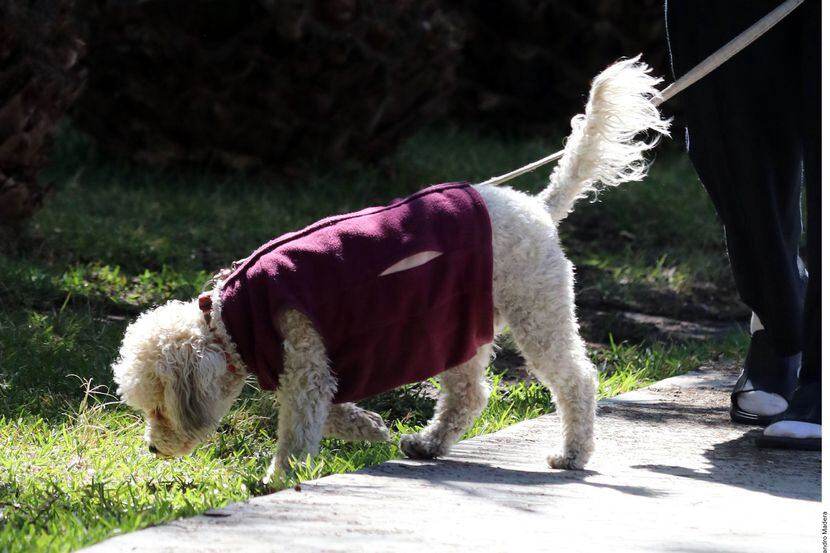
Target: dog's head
170, 368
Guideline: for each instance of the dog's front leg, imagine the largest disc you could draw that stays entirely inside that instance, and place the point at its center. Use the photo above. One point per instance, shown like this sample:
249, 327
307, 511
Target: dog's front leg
305, 392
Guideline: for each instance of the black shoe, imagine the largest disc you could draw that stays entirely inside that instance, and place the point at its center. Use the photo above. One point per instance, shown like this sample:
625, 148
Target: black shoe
805, 406
769, 372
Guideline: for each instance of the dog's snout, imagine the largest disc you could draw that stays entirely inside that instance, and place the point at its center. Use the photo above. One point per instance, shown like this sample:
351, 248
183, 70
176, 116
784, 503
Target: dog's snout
153, 449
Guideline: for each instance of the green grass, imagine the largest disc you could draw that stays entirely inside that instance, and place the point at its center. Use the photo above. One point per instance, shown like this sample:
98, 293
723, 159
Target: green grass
116, 239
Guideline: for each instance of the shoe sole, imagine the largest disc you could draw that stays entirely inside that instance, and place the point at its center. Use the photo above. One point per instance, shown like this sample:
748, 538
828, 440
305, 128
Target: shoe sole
750, 419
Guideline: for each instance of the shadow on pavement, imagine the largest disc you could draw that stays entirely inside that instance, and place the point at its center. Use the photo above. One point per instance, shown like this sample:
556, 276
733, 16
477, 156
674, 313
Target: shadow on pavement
739, 462
457, 474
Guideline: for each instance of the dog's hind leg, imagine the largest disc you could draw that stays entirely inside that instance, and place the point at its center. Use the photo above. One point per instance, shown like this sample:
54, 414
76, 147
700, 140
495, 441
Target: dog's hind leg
464, 394
548, 335
347, 421
306, 389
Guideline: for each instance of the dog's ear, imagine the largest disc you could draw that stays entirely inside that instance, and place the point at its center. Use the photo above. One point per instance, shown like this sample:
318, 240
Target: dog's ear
197, 389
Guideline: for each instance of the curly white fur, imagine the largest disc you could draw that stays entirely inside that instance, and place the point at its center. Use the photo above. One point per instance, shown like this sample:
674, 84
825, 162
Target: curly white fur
604, 147
172, 365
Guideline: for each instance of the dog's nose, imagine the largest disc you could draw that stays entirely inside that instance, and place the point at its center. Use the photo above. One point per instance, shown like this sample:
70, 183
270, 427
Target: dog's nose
153, 449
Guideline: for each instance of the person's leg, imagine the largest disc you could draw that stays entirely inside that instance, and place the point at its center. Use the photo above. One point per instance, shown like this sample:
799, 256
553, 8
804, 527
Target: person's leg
800, 425
745, 148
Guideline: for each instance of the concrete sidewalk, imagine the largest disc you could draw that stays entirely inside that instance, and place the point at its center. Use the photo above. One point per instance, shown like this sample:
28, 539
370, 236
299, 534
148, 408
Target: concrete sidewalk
670, 473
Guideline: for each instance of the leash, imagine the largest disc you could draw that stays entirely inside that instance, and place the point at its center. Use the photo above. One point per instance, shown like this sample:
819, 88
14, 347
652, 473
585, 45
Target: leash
724, 53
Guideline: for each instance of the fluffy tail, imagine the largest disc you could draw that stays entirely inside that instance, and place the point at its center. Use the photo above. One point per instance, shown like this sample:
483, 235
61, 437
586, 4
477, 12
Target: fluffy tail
603, 148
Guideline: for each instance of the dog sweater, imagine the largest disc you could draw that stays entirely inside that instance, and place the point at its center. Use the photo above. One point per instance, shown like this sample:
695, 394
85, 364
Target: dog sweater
398, 293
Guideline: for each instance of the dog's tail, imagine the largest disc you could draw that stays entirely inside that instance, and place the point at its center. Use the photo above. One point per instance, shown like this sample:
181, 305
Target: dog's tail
607, 142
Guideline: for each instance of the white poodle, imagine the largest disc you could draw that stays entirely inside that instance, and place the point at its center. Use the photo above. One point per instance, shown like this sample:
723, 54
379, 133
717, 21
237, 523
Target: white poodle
183, 371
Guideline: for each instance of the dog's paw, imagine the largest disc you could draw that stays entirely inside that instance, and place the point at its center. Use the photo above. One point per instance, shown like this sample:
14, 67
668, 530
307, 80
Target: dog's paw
349, 422
373, 428
282, 470
567, 461
272, 473
416, 446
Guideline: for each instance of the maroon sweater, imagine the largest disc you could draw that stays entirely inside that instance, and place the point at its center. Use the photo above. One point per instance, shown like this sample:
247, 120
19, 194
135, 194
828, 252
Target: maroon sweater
380, 330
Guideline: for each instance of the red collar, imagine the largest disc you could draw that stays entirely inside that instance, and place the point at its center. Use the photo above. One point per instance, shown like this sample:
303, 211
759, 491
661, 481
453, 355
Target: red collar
206, 306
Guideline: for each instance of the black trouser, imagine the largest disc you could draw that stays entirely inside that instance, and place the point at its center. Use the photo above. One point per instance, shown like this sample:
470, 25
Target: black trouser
752, 125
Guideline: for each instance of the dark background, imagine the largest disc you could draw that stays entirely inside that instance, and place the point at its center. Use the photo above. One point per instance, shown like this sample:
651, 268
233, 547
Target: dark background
282, 85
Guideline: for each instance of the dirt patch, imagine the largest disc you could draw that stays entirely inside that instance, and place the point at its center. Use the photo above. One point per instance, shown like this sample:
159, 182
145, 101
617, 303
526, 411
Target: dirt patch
701, 301
596, 325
